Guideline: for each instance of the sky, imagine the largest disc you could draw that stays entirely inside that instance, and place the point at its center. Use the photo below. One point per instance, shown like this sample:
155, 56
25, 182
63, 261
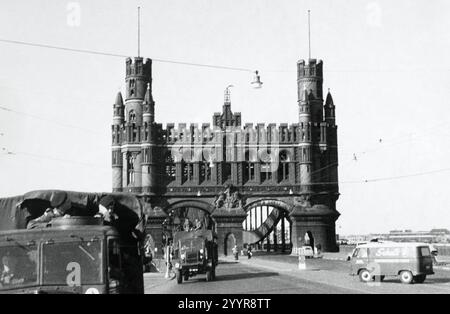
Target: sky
385, 62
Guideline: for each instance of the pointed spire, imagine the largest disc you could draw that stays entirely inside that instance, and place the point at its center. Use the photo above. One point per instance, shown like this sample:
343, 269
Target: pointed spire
227, 94
148, 95
329, 101
119, 100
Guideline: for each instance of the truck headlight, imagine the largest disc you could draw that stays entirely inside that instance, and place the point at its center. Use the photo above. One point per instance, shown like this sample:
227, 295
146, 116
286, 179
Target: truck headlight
201, 251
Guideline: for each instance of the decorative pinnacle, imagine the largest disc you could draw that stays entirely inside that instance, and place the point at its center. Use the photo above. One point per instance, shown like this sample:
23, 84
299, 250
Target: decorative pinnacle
228, 94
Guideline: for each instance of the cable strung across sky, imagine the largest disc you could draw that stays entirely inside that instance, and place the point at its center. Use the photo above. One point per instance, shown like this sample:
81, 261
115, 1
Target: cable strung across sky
86, 51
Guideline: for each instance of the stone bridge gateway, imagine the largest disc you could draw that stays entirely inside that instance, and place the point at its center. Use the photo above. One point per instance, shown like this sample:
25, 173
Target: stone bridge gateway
227, 170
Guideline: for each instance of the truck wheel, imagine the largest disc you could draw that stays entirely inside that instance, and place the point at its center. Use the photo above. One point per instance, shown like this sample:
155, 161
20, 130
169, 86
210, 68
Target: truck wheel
208, 275
420, 278
406, 277
365, 276
179, 277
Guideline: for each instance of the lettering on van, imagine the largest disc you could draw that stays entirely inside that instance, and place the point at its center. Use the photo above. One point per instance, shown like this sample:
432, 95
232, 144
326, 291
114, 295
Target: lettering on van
393, 252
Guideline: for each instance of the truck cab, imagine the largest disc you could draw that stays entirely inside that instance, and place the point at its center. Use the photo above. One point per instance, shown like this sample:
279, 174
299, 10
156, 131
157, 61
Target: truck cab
195, 252
73, 255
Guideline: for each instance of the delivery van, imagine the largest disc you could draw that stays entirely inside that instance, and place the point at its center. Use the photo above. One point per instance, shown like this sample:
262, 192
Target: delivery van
411, 262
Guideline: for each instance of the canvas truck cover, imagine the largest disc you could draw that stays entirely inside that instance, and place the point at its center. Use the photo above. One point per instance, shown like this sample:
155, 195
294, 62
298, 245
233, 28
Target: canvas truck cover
16, 212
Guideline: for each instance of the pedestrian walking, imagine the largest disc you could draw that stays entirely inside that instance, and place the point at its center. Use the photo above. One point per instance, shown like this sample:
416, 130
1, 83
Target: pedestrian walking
235, 253
249, 252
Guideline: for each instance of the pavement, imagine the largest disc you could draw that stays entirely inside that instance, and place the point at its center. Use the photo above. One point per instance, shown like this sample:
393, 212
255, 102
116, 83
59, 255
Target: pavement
270, 274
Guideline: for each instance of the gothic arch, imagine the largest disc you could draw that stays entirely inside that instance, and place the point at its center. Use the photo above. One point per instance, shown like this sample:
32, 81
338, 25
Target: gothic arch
207, 207
269, 202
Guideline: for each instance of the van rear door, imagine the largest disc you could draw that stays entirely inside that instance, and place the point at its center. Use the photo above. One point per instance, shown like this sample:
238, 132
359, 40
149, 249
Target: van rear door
425, 261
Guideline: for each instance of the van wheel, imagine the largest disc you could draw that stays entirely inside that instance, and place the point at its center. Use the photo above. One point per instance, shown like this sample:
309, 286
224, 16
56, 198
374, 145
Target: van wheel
420, 278
365, 276
179, 276
406, 277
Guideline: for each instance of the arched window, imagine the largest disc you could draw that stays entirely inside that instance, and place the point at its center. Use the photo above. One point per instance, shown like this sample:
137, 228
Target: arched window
205, 171
283, 166
170, 167
188, 171
266, 171
132, 116
249, 168
130, 169
132, 87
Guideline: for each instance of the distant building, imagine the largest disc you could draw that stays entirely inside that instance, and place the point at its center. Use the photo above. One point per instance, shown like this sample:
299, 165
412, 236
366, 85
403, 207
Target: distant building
432, 236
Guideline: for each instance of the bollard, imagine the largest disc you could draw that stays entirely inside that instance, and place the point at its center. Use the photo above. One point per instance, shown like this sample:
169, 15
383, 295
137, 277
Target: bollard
301, 260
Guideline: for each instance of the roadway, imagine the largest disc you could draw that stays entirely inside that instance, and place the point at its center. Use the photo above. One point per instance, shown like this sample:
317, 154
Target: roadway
280, 275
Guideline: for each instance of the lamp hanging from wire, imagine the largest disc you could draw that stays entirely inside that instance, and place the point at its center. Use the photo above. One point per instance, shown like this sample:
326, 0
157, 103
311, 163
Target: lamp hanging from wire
256, 83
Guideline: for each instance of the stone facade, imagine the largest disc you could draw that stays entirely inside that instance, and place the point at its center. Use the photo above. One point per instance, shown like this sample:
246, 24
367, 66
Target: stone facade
226, 168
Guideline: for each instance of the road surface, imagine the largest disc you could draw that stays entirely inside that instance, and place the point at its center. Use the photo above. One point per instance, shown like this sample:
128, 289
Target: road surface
262, 276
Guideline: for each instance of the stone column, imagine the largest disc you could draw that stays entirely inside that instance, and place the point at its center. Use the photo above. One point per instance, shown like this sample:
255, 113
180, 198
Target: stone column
154, 227
320, 221
229, 222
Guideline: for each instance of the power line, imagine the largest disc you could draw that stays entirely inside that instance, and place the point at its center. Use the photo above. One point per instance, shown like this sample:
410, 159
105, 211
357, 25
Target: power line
48, 120
360, 181
87, 51
220, 67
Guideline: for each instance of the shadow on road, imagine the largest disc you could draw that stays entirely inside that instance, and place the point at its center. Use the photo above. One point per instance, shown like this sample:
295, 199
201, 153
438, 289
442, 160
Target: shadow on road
227, 262
245, 276
429, 281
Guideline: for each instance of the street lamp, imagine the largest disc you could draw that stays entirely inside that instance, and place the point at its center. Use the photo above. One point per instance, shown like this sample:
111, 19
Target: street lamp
257, 80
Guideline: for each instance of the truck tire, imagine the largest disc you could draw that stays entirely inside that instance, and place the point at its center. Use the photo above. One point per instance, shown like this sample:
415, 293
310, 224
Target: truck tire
365, 275
208, 275
213, 272
179, 276
406, 277
420, 278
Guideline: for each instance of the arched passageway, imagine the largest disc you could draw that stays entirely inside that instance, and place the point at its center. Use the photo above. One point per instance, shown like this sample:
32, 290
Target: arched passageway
229, 243
268, 227
187, 214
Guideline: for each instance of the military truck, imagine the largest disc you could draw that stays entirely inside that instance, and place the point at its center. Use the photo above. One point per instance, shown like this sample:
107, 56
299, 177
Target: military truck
77, 252
195, 252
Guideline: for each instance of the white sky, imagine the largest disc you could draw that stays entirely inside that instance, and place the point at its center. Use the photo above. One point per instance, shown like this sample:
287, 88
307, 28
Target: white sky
386, 63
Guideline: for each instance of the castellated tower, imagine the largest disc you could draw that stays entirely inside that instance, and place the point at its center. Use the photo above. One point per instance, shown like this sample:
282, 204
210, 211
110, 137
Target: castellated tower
132, 129
318, 140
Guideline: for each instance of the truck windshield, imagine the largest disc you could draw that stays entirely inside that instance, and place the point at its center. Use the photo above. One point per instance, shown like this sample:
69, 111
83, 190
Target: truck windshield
18, 266
191, 244
72, 263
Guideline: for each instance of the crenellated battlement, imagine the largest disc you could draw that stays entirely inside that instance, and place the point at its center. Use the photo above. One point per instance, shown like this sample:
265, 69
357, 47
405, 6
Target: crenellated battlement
312, 68
138, 67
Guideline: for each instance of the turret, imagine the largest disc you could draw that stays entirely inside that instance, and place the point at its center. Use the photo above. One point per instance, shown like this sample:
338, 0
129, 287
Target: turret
138, 79
305, 141
118, 110
329, 109
118, 120
310, 77
304, 107
148, 164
